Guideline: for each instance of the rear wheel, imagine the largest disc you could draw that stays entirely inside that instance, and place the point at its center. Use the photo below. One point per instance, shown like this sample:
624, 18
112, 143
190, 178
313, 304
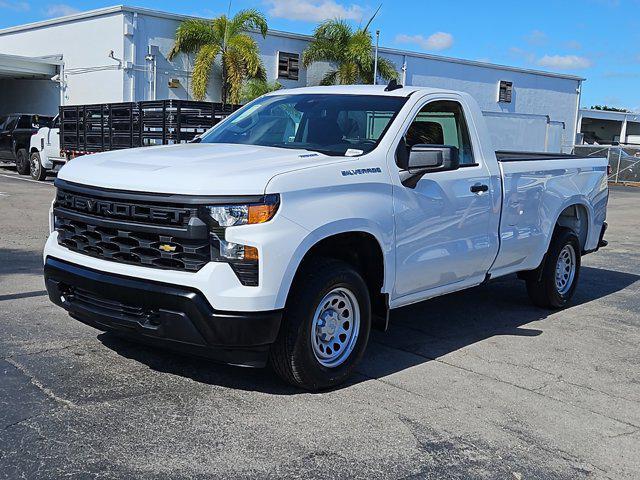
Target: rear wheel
38, 172
553, 284
326, 326
22, 162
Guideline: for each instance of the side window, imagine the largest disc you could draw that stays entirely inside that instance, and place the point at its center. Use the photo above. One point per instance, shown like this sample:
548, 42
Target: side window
442, 123
25, 121
11, 124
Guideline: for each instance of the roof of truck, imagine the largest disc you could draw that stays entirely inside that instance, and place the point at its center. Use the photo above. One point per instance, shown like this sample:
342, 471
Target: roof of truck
360, 90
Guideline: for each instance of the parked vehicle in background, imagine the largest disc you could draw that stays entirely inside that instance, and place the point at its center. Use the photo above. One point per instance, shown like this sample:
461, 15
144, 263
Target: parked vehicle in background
289, 230
15, 137
44, 151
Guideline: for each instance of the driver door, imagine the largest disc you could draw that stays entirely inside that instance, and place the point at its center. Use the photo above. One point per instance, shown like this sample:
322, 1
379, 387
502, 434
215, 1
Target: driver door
443, 222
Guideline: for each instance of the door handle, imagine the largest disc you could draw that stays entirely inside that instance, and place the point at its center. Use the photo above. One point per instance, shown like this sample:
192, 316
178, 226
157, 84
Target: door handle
478, 188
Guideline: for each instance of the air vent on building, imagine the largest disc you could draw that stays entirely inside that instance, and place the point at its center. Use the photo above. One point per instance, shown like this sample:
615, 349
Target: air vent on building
288, 65
505, 91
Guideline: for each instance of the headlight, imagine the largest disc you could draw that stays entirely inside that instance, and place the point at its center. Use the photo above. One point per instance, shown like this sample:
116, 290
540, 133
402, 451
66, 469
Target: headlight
242, 258
233, 215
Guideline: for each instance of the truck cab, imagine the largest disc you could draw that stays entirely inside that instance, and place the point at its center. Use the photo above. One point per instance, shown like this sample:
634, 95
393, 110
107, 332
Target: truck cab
44, 150
292, 228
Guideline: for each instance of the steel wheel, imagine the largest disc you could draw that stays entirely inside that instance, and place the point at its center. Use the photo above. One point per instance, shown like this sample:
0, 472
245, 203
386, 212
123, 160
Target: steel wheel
565, 269
335, 328
35, 166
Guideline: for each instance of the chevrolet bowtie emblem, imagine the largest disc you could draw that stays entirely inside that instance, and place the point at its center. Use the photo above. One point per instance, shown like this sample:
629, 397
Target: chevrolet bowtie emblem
167, 248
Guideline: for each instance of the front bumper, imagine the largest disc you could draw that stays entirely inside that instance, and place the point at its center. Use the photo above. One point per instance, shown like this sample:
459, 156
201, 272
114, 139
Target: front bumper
179, 318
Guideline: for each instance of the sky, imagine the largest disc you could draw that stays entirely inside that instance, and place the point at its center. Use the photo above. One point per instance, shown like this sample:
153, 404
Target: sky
595, 39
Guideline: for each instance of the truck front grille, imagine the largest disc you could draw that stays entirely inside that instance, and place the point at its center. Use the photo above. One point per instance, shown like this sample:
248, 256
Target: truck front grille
132, 232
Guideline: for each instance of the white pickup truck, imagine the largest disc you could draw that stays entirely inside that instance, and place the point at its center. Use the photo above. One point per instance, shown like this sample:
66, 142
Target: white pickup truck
289, 230
44, 151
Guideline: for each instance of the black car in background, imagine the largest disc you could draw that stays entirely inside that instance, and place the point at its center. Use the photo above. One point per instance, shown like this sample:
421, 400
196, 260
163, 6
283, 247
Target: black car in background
15, 136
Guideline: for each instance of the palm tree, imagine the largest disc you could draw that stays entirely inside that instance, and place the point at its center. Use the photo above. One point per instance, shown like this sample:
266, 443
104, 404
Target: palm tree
256, 87
349, 51
228, 39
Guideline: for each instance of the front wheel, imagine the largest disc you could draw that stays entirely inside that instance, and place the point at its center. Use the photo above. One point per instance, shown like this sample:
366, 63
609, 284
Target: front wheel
38, 172
325, 328
553, 284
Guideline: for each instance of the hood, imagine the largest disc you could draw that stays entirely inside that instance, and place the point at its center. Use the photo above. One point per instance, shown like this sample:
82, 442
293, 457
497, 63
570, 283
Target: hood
190, 169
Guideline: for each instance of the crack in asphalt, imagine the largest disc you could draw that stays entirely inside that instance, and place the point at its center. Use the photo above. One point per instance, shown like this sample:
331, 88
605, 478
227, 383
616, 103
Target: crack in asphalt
39, 352
558, 378
515, 385
36, 383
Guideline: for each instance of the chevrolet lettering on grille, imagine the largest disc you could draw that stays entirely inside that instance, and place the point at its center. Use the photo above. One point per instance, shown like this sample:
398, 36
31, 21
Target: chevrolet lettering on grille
108, 208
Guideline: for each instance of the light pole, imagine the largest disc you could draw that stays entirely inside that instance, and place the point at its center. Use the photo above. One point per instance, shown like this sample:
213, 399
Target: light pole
375, 59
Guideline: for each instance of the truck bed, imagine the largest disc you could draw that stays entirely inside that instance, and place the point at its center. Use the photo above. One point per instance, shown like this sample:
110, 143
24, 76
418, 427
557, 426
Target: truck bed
511, 156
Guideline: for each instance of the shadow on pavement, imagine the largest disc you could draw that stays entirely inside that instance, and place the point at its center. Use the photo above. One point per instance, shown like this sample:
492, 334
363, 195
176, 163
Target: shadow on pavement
427, 331
15, 261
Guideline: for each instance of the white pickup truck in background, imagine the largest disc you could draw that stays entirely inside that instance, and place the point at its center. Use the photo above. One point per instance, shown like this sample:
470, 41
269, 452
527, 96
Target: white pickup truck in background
289, 230
44, 151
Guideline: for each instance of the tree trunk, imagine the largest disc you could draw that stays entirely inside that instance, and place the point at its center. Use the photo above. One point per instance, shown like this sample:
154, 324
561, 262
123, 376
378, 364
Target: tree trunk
223, 86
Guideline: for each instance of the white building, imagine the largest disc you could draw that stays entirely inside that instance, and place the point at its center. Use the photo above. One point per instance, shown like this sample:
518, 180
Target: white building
118, 54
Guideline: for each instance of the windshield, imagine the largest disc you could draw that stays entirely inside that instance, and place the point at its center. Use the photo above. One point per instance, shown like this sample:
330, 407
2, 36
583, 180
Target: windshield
331, 124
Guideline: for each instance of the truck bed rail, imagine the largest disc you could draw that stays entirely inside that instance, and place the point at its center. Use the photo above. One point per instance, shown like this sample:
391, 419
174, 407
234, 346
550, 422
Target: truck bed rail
510, 156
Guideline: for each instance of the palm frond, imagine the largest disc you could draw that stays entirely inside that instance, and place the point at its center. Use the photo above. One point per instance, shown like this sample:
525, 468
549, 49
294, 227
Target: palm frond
330, 78
248, 53
349, 51
202, 70
255, 88
366, 27
246, 20
386, 69
191, 35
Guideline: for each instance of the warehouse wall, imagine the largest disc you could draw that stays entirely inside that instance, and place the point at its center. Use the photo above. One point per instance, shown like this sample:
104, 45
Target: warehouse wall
539, 106
85, 45
159, 32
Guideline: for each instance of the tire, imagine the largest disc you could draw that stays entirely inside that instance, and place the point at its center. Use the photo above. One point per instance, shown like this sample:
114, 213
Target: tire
331, 291
38, 172
551, 288
22, 162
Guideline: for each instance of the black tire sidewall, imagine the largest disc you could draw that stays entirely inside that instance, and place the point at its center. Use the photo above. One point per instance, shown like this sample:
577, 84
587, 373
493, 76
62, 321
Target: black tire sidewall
311, 374
563, 237
22, 162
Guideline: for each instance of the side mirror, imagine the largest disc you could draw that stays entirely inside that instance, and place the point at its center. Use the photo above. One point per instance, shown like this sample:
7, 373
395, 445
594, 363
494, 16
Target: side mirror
433, 158
425, 158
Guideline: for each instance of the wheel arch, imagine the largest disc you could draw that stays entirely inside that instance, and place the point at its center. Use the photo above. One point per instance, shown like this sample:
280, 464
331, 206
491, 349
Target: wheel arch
362, 247
567, 216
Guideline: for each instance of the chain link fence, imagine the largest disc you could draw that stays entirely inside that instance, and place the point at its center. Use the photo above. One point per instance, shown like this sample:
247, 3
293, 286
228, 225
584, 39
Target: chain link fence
623, 160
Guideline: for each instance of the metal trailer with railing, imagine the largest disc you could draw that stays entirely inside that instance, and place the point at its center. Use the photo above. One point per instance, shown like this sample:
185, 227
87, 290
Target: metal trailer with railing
86, 129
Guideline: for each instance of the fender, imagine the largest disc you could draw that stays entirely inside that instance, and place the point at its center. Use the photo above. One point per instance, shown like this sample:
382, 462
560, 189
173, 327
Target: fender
354, 225
569, 202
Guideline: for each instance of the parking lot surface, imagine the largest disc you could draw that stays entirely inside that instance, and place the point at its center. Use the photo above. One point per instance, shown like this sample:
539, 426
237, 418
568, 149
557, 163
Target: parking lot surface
478, 384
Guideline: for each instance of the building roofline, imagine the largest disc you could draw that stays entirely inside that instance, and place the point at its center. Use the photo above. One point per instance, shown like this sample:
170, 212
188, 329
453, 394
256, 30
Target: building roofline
604, 114
177, 16
48, 60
